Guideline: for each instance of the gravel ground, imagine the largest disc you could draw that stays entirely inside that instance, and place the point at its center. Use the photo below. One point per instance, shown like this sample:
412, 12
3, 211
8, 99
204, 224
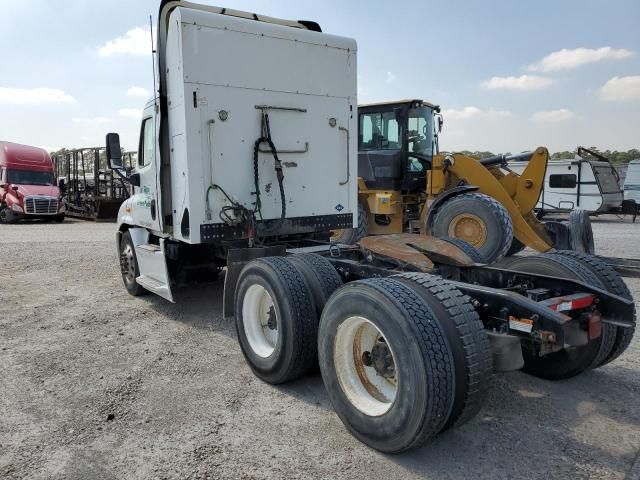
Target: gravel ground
98, 384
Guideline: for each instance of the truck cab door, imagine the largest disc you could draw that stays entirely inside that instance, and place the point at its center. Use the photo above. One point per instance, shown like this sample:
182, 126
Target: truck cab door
145, 201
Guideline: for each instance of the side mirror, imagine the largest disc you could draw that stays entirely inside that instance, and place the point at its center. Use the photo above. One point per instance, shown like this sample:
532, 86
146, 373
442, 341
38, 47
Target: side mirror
114, 152
62, 185
440, 123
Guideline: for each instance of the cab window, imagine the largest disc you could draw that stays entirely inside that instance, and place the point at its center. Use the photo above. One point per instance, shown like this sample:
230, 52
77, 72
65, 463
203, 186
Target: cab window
379, 131
147, 143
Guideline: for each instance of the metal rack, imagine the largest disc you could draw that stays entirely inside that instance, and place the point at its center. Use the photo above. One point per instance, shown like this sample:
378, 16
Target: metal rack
90, 189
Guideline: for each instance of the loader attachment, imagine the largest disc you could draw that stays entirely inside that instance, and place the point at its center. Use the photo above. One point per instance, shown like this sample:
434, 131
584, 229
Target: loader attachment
518, 194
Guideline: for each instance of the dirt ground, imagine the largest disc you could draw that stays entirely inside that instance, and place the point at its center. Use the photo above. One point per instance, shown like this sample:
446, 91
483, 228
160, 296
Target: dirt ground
97, 384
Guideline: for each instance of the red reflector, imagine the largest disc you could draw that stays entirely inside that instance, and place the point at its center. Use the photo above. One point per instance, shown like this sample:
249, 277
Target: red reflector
595, 326
569, 302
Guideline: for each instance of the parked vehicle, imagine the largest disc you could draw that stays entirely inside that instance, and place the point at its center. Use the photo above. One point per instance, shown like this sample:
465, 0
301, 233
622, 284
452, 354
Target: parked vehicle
248, 158
27, 185
632, 181
406, 185
589, 181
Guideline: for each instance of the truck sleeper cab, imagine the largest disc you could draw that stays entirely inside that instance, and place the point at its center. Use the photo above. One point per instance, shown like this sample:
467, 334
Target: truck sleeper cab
27, 185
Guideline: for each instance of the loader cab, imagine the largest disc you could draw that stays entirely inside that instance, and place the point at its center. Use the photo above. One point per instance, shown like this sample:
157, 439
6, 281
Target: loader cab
396, 144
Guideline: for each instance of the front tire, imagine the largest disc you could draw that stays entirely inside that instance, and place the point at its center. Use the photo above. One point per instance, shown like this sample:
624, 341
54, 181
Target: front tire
129, 266
7, 216
386, 364
479, 220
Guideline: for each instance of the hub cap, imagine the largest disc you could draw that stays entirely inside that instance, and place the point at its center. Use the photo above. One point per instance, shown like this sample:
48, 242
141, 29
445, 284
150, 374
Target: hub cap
470, 228
260, 321
365, 366
128, 264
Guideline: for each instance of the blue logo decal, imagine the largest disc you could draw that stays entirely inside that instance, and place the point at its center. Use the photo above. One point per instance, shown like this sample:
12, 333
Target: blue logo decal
339, 207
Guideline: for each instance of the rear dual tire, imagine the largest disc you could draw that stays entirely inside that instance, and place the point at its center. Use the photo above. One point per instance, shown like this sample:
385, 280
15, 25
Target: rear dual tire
574, 361
402, 358
278, 301
613, 283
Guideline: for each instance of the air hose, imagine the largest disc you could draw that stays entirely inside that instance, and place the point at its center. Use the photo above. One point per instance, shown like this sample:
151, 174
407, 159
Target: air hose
241, 213
266, 138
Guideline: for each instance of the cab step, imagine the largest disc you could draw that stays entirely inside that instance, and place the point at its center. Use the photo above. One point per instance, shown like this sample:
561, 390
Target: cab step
152, 264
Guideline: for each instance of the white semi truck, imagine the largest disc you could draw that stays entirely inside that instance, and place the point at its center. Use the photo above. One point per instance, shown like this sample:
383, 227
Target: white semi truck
247, 160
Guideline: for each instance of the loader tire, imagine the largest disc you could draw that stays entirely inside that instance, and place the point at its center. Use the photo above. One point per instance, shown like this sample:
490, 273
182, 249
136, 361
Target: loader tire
275, 317
613, 283
471, 251
468, 341
478, 219
580, 232
386, 363
322, 278
129, 266
349, 236
574, 361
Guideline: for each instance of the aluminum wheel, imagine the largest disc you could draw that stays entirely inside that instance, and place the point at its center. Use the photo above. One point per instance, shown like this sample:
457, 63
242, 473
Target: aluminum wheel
128, 264
260, 320
365, 366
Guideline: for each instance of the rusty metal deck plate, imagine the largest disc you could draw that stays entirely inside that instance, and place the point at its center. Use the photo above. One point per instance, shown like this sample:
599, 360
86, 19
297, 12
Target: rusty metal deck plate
419, 251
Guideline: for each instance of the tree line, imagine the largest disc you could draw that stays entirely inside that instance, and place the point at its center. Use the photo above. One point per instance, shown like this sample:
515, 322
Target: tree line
616, 157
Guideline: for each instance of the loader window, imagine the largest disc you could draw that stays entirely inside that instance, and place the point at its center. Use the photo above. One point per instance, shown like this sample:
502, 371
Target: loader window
379, 131
565, 180
421, 131
147, 143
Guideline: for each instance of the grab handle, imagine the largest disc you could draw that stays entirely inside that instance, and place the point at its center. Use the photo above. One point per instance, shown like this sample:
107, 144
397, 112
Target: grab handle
346, 130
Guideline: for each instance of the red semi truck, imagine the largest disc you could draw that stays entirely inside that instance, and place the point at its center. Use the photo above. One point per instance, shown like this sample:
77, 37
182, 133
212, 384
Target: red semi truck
27, 185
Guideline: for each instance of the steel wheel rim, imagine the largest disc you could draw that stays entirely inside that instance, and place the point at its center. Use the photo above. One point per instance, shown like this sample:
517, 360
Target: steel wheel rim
364, 386
468, 227
260, 320
334, 234
128, 264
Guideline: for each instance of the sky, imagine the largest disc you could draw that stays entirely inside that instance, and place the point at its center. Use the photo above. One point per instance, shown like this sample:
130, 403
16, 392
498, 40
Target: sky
509, 75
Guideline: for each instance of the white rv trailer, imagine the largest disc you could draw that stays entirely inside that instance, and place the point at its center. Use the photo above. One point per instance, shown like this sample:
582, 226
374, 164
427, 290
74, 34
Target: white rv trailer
591, 185
632, 181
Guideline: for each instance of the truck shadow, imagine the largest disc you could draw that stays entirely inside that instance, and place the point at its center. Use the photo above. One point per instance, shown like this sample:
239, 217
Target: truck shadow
535, 428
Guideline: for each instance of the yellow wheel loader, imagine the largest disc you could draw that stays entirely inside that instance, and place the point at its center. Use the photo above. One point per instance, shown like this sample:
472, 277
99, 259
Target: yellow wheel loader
407, 186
